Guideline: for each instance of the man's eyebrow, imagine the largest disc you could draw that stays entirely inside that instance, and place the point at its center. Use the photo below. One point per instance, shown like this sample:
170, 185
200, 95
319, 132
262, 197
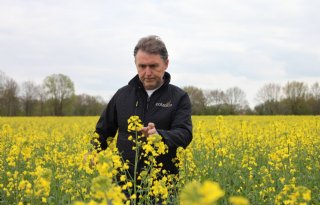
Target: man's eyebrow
148, 64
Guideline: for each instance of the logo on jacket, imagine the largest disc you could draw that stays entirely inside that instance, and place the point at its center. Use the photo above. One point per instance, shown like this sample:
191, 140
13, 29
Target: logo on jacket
167, 104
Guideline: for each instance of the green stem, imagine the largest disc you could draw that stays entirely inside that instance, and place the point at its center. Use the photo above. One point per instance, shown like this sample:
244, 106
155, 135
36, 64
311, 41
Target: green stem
135, 169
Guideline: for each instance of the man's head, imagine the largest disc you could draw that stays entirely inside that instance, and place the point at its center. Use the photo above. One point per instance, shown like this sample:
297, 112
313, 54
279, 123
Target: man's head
151, 59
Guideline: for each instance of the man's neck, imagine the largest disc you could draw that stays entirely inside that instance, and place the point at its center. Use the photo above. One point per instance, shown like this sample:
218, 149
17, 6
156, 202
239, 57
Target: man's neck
149, 92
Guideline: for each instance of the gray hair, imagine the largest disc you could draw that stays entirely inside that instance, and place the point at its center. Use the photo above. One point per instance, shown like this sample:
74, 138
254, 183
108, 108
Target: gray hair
152, 45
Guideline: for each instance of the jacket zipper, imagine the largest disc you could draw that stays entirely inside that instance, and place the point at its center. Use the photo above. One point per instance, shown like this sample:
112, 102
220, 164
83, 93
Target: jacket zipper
148, 100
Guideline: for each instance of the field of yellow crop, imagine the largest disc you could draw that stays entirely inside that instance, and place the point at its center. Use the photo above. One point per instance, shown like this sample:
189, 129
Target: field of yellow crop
235, 160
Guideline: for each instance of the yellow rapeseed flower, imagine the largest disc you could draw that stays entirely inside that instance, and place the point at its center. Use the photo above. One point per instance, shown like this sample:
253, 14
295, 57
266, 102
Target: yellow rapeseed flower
207, 193
238, 200
134, 124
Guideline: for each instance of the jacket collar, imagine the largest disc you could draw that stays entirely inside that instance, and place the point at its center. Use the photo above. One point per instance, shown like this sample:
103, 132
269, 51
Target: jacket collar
135, 82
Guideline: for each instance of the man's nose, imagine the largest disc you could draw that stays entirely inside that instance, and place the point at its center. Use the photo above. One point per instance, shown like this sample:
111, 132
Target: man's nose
148, 71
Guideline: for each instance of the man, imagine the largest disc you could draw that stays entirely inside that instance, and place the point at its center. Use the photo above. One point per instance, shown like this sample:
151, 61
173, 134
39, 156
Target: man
163, 108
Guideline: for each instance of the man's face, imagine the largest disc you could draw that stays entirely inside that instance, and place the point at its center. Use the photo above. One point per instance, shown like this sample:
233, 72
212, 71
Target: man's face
151, 68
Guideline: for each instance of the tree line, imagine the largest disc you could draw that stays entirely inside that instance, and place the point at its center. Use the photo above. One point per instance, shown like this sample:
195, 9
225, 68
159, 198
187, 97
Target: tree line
56, 97
294, 98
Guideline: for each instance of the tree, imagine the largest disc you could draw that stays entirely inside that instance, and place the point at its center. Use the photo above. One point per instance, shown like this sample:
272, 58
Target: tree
2, 99
29, 96
315, 91
235, 98
314, 101
296, 94
269, 97
42, 99
85, 104
197, 98
215, 102
2, 80
295, 90
60, 89
9, 97
214, 97
269, 92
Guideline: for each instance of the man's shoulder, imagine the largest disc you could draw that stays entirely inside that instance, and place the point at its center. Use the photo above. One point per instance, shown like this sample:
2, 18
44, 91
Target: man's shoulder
122, 93
178, 95
123, 90
177, 91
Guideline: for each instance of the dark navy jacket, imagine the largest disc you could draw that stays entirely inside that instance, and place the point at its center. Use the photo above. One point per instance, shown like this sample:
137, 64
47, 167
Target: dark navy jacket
169, 108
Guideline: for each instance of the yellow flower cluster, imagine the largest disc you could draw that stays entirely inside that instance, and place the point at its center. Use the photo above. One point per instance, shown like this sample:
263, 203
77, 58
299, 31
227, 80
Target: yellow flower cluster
232, 160
207, 193
134, 124
42, 182
238, 200
154, 146
291, 195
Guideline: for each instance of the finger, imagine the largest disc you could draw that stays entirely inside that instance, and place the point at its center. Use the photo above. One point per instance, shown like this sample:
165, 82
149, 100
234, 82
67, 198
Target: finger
144, 131
151, 125
152, 131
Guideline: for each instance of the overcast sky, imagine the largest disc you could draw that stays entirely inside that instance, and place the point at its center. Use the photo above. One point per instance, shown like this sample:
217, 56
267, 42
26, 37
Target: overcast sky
212, 44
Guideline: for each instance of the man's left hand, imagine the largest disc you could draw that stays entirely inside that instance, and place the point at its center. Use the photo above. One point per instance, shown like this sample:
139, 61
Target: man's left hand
149, 130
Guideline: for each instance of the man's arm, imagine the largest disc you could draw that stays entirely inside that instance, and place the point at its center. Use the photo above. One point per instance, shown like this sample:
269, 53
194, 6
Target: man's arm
107, 124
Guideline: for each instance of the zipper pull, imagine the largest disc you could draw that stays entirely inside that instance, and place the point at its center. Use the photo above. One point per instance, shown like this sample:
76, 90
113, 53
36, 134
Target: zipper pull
148, 100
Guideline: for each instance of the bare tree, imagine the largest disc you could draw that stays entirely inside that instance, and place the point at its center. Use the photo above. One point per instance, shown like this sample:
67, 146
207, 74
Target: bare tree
215, 97
295, 90
296, 94
9, 96
314, 100
42, 97
269, 97
29, 96
235, 98
3, 78
315, 91
60, 89
270, 92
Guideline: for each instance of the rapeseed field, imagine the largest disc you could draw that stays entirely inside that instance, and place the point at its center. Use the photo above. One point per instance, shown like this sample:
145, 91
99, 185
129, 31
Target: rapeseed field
236, 160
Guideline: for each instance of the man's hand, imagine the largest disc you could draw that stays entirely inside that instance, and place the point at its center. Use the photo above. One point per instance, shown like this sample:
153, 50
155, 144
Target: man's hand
149, 130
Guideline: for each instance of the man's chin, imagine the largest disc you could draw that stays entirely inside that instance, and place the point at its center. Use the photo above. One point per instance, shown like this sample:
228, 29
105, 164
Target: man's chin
148, 86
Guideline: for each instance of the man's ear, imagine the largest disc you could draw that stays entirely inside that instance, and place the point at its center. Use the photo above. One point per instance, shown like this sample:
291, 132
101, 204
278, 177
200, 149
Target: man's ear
167, 63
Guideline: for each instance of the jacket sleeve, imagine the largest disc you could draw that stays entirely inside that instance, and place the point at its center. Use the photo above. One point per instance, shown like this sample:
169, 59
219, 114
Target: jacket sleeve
107, 125
180, 134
